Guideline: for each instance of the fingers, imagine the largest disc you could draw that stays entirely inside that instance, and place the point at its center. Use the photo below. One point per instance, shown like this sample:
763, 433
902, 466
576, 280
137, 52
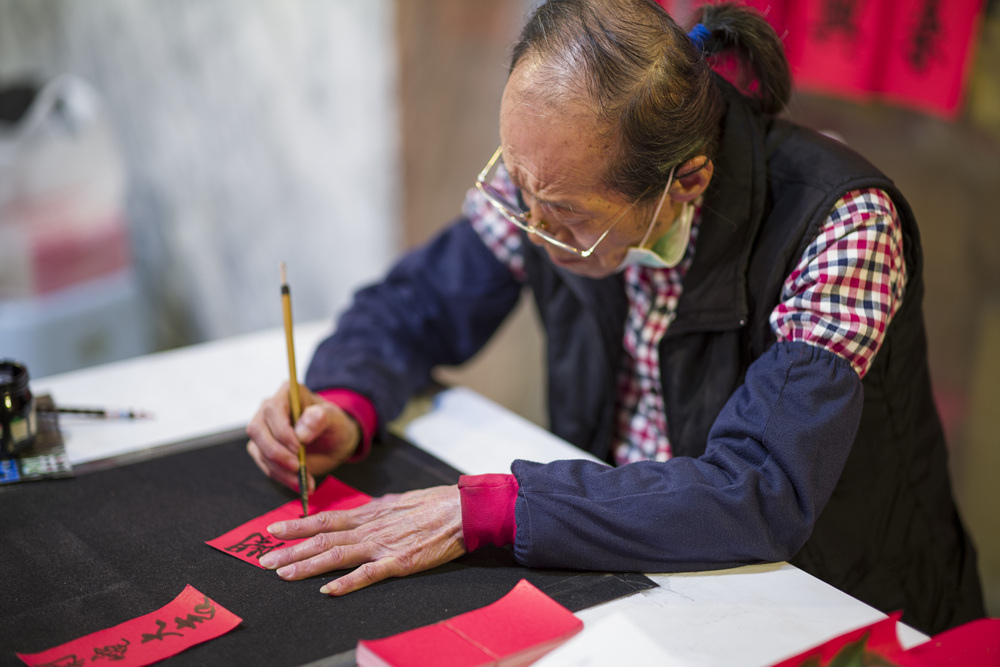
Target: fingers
276, 472
274, 443
365, 575
271, 430
314, 524
311, 423
328, 532
336, 557
318, 555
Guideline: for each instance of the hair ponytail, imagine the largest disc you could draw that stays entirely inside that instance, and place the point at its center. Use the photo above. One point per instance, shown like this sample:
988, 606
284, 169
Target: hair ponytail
743, 32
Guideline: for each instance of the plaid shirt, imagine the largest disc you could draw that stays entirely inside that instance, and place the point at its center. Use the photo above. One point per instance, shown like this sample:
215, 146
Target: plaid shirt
841, 296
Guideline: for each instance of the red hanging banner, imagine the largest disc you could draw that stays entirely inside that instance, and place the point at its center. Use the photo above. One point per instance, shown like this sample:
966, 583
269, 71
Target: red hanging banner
911, 53
836, 46
927, 54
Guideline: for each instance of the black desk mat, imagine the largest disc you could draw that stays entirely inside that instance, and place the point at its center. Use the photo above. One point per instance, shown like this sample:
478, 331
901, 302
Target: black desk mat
83, 554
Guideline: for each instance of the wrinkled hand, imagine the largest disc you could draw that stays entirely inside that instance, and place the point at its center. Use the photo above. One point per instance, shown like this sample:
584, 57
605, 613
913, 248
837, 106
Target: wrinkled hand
391, 536
328, 433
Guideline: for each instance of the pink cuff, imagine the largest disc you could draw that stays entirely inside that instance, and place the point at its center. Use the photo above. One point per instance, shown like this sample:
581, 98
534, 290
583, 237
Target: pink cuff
487, 509
362, 411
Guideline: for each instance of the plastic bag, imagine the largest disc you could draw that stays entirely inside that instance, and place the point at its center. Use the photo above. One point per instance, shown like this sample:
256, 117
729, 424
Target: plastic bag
61, 189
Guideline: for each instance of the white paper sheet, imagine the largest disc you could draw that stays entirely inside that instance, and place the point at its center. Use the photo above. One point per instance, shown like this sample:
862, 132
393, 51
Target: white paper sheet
476, 436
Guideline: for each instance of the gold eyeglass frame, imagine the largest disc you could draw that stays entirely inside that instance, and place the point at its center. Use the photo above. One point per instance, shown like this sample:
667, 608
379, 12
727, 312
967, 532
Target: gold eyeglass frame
520, 219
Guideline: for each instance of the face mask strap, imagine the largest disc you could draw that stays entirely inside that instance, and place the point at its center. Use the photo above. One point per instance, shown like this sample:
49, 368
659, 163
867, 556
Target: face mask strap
659, 206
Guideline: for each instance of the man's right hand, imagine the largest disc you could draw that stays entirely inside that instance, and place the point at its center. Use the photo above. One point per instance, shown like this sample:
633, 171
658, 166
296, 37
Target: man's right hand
329, 435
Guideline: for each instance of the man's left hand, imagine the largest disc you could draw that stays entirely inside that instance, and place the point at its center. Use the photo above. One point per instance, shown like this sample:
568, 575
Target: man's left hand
392, 536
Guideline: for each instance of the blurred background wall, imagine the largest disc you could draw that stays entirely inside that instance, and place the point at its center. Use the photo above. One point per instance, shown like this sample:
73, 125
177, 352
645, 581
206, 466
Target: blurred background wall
334, 133
251, 131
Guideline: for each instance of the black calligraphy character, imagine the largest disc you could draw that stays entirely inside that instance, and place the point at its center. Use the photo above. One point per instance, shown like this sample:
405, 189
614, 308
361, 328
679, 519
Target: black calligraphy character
202, 612
65, 661
206, 608
111, 652
189, 622
257, 544
838, 16
159, 634
925, 43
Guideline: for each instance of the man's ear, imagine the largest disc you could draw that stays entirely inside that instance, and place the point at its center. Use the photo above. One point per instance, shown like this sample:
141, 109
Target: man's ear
691, 179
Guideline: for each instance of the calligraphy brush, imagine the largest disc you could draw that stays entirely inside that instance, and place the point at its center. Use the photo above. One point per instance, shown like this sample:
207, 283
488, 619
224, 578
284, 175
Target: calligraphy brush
293, 387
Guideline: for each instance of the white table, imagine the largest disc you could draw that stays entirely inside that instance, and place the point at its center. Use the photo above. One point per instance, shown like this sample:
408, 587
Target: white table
752, 616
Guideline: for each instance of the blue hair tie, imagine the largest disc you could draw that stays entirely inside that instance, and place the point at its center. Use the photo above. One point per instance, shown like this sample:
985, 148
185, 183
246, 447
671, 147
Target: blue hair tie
699, 35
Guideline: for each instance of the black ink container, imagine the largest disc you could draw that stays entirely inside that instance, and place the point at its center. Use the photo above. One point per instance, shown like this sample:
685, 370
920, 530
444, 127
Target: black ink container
18, 423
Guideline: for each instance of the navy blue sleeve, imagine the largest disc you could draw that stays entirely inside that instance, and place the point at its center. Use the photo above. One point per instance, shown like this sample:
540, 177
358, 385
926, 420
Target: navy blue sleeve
438, 306
774, 454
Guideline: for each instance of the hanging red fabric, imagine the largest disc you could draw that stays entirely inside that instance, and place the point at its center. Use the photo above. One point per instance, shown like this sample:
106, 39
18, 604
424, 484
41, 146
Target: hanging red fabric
911, 53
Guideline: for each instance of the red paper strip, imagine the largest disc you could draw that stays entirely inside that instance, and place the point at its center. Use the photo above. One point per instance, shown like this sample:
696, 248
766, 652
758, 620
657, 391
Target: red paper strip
878, 638
838, 47
971, 644
517, 629
192, 618
251, 540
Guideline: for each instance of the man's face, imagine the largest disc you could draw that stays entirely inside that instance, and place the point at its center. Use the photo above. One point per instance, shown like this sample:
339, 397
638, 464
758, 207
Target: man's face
556, 157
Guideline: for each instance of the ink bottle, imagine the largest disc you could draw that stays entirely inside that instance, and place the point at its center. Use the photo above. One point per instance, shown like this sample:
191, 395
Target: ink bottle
18, 422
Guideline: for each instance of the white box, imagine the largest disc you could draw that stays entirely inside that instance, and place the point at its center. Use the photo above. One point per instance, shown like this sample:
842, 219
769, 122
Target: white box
89, 323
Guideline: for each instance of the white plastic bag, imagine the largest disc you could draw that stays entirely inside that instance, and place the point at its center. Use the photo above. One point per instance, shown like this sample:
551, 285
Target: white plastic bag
68, 296
61, 193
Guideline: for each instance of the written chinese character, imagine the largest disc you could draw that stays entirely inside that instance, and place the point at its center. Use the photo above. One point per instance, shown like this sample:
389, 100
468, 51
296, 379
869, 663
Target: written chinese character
925, 42
159, 634
838, 16
256, 545
206, 608
111, 652
203, 612
189, 622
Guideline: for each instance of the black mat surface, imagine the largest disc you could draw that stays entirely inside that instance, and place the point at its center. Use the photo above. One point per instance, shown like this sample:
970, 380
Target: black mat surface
83, 554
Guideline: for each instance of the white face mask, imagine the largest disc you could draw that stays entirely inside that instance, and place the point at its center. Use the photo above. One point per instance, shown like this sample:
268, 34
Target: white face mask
668, 251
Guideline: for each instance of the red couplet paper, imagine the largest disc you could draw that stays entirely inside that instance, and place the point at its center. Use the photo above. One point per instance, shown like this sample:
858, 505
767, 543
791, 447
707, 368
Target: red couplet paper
911, 53
192, 618
878, 638
517, 629
972, 644
251, 540
927, 53
838, 47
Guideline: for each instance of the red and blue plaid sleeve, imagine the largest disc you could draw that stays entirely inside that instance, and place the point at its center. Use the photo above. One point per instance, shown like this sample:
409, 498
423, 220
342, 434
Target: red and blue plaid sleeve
849, 283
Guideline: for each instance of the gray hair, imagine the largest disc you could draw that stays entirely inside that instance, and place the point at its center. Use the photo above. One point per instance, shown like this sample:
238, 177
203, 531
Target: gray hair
651, 89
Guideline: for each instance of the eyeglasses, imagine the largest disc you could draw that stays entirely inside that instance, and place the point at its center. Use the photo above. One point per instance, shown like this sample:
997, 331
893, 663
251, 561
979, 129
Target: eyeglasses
521, 218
